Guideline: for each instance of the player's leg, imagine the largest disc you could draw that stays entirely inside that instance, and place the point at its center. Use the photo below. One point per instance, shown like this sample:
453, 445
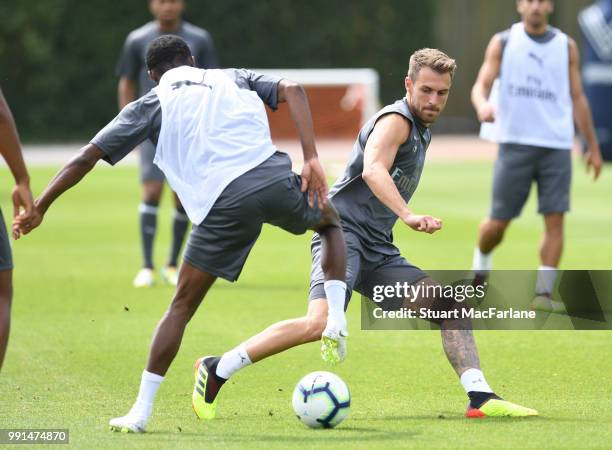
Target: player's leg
6, 288
460, 349
283, 205
213, 371
514, 171
192, 287
491, 233
288, 209
551, 246
333, 265
180, 223
6, 295
278, 337
223, 242
152, 179
286, 334
554, 179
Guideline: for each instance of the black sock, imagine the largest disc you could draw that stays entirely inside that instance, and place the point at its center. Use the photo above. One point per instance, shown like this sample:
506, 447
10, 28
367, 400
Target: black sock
179, 228
477, 399
214, 382
148, 227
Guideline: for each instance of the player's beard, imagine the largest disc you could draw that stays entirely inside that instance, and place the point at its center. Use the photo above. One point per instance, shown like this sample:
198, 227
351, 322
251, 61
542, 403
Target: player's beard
429, 119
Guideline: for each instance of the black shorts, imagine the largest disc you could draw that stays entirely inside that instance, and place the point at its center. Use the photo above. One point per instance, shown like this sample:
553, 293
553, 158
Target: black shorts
221, 244
517, 167
6, 259
363, 265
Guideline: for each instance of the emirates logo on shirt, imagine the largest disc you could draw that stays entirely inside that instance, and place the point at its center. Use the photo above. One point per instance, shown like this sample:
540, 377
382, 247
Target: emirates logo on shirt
404, 183
532, 92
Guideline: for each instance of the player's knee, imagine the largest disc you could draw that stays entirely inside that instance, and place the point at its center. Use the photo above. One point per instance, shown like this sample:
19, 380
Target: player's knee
495, 227
554, 225
330, 219
152, 192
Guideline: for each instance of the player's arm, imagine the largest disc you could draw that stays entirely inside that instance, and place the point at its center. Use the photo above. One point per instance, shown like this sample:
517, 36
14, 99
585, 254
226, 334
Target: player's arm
10, 148
66, 178
487, 74
128, 68
132, 125
313, 175
126, 91
582, 113
391, 131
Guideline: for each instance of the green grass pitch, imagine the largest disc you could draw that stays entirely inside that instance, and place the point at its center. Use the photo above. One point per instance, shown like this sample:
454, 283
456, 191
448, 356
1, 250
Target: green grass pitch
76, 354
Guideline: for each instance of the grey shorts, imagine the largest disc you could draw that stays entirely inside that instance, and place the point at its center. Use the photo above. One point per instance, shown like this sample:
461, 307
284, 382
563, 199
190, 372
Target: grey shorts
517, 167
221, 244
6, 259
364, 267
148, 170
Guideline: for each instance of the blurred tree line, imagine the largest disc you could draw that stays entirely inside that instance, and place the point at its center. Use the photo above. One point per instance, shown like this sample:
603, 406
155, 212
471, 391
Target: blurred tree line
58, 57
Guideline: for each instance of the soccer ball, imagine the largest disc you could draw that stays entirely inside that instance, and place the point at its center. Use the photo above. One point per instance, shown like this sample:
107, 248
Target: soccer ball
321, 400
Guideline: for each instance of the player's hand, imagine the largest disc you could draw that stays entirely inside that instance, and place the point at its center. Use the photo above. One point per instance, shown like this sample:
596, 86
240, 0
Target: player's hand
23, 202
486, 112
315, 182
425, 224
24, 224
593, 161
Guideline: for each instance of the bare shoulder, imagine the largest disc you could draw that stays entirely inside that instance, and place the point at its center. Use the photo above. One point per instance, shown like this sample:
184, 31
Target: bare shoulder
494, 49
574, 53
394, 126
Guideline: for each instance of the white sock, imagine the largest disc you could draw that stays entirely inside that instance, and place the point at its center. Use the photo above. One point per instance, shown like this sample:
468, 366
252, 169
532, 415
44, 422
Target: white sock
482, 262
335, 291
149, 384
232, 361
545, 282
474, 380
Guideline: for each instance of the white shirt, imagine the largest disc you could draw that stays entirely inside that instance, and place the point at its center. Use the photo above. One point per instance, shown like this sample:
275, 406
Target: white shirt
534, 104
211, 133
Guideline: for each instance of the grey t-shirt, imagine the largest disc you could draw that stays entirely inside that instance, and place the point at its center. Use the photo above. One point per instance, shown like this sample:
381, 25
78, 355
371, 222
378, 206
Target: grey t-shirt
142, 118
360, 210
132, 64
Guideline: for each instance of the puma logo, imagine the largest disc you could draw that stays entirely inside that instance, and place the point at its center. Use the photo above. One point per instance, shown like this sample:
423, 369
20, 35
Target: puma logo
178, 84
537, 59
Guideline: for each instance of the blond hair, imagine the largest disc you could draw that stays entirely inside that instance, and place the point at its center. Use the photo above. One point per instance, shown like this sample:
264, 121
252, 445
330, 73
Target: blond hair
434, 59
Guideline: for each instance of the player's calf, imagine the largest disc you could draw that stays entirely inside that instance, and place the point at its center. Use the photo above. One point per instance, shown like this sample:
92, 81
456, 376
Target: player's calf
333, 264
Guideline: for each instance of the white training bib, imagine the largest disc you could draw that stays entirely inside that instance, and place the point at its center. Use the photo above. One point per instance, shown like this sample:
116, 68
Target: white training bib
534, 100
211, 133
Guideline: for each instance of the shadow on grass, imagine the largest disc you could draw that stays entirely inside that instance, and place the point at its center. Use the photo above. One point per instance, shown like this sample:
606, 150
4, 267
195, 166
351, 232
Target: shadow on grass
340, 435
440, 416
